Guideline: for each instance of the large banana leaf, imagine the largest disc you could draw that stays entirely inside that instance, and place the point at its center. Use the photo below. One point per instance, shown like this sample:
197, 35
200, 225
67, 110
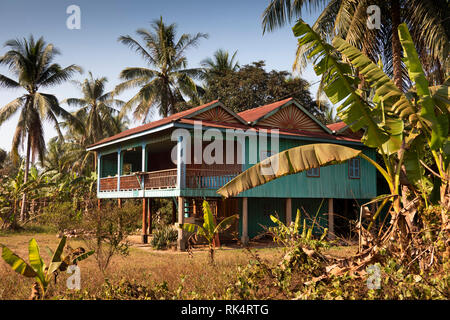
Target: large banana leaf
341, 86
439, 125
385, 90
386, 94
17, 263
288, 162
36, 261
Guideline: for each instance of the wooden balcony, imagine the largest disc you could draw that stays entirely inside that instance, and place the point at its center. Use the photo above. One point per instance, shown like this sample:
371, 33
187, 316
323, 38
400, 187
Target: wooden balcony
209, 178
165, 179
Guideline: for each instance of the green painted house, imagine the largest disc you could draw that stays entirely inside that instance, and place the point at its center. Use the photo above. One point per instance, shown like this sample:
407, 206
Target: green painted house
189, 155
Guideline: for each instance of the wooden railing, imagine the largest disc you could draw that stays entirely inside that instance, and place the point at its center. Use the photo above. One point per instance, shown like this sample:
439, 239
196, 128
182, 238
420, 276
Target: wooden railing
209, 178
130, 182
163, 179
108, 184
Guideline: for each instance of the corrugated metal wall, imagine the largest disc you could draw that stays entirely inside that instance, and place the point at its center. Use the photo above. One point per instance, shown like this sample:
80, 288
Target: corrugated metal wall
260, 209
333, 182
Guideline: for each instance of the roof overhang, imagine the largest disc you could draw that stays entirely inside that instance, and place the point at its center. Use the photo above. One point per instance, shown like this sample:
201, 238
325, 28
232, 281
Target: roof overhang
132, 136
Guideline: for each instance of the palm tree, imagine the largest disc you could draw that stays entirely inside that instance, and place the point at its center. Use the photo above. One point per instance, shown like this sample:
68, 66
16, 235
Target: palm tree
220, 63
428, 21
56, 158
31, 62
162, 87
96, 108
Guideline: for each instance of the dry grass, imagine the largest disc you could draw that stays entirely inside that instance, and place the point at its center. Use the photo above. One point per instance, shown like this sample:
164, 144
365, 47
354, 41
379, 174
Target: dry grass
142, 265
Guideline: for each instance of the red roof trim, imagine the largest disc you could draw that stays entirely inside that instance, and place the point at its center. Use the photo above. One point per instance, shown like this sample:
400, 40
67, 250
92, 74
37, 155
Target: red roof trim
153, 124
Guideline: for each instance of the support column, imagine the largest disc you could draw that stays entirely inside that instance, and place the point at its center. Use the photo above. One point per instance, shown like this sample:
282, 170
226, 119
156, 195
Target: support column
119, 203
99, 156
150, 218
144, 221
288, 211
119, 167
244, 237
99, 204
144, 158
330, 219
181, 163
174, 211
181, 241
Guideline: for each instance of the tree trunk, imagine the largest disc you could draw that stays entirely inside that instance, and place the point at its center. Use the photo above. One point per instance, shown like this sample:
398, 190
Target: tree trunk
25, 179
396, 46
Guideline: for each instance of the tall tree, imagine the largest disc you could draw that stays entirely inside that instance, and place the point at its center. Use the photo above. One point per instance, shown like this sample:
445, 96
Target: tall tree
96, 108
220, 63
252, 86
347, 19
31, 62
163, 86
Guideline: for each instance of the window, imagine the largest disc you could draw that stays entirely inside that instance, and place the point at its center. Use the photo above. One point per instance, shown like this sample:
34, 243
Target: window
313, 173
353, 169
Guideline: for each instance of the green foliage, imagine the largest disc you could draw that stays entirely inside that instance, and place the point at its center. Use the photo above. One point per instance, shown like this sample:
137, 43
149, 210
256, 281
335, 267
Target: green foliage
36, 268
163, 236
252, 86
403, 127
106, 231
297, 232
61, 216
209, 230
164, 86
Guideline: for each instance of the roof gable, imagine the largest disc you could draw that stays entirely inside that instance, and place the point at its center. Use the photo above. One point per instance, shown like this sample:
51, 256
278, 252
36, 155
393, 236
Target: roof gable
216, 112
286, 114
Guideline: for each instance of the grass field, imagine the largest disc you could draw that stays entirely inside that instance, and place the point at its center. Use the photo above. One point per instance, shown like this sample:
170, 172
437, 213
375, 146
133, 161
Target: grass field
143, 265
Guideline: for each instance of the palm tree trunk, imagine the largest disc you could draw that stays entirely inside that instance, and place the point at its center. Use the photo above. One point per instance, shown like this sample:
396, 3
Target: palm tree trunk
396, 45
25, 179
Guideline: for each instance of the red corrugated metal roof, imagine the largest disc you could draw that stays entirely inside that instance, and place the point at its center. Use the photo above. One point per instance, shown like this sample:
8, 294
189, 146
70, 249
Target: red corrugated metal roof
154, 124
248, 116
256, 113
291, 132
336, 126
340, 128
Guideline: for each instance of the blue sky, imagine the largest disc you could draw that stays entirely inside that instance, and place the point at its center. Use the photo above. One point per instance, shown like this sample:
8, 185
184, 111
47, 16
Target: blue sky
231, 25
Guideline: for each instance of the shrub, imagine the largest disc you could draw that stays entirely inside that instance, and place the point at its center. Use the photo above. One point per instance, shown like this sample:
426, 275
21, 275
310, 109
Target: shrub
163, 236
106, 231
61, 216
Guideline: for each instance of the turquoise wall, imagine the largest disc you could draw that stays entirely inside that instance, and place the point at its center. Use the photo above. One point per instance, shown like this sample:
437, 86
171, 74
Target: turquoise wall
260, 209
332, 183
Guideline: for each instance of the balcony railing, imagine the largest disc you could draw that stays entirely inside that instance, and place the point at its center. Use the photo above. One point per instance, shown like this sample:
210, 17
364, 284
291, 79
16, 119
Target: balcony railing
164, 179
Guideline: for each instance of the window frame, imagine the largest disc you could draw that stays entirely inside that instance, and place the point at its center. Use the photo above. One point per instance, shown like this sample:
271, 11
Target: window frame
313, 176
351, 168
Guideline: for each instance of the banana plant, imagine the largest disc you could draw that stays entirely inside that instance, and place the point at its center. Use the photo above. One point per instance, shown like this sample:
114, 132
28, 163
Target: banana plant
209, 230
36, 268
399, 125
290, 235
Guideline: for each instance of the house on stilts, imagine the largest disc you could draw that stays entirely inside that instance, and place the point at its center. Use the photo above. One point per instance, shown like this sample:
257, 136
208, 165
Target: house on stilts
154, 161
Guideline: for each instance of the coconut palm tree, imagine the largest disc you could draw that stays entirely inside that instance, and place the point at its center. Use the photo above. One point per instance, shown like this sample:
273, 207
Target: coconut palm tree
427, 20
220, 63
96, 108
31, 62
163, 86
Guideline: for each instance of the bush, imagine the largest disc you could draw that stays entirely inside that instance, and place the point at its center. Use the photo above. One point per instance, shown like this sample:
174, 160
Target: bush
106, 231
163, 236
61, 216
